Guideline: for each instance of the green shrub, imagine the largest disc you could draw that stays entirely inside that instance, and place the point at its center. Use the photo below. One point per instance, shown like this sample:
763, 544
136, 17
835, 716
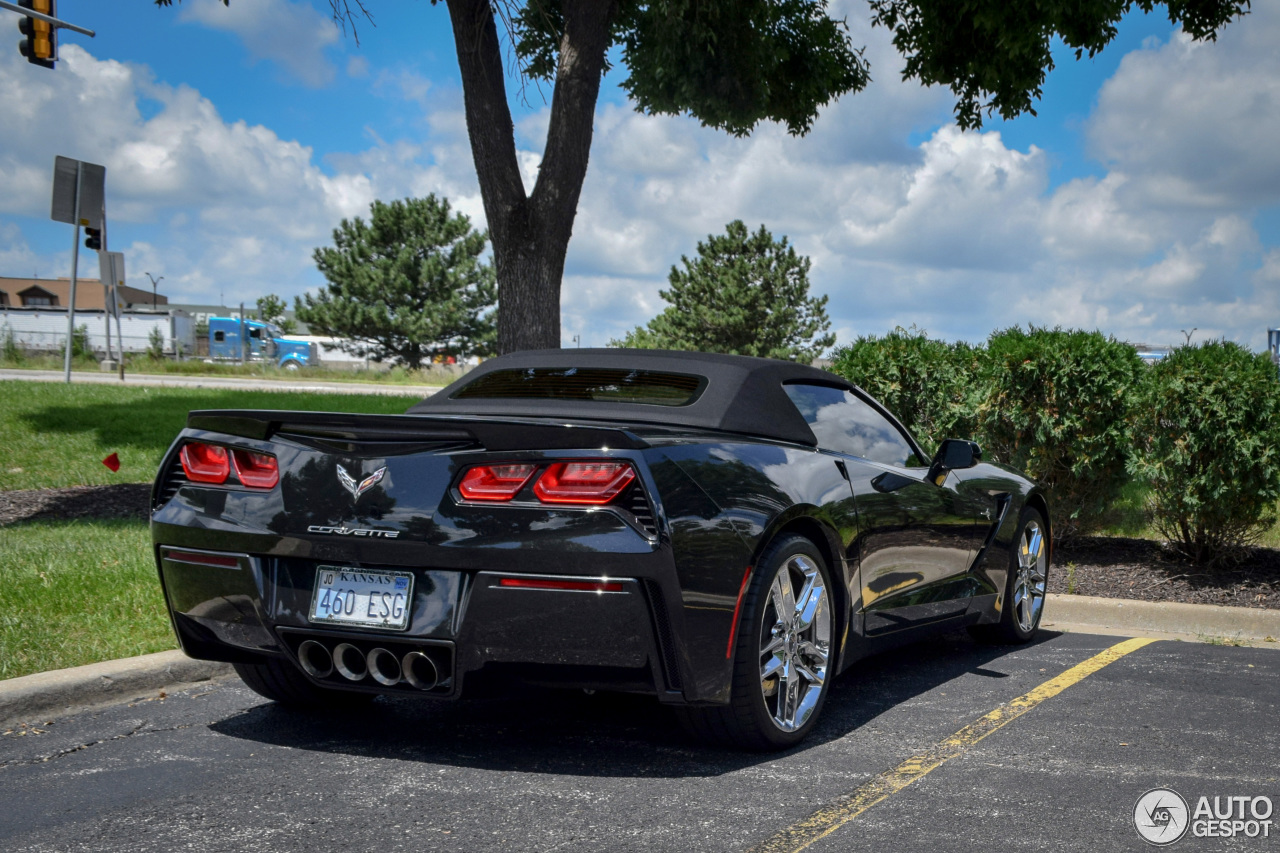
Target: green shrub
155, 344
10, 352
924, 382
1054, 404
1207, 429
80, 348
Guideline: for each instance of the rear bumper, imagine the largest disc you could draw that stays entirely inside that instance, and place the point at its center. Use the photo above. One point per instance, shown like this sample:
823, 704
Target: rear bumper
244, 607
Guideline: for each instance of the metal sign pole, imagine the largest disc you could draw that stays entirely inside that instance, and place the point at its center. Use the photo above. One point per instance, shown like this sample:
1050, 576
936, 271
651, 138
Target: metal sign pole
115, 308
75, 262
107, 291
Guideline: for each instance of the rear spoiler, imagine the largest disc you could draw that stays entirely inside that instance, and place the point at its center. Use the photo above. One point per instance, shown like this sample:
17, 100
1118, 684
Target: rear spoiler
491, 433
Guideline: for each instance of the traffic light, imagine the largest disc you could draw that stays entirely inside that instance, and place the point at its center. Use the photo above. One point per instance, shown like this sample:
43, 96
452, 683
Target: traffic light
40, 38
93, 239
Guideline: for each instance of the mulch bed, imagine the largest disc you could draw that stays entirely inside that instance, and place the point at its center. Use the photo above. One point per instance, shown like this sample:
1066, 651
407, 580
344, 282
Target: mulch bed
1116, 567
1106, 566
122, 500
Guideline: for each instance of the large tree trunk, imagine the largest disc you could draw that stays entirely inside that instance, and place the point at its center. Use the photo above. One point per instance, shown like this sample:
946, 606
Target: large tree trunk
530, 232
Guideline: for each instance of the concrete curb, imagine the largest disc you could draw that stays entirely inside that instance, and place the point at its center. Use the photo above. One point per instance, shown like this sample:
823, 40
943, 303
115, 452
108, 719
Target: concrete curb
55, 693
1203, 622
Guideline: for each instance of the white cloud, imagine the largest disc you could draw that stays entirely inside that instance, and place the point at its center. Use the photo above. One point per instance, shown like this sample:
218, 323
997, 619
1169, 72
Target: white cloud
1196, 124
403, 84
291, 34
357, 66
238, 209
16, 257
961, 234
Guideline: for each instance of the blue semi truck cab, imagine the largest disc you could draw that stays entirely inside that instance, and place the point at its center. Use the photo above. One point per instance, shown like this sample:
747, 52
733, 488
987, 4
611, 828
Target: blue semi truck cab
266, 343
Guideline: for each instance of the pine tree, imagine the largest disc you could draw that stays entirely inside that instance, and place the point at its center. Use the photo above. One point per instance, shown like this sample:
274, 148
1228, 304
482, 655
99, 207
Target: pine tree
407, 286
745, 294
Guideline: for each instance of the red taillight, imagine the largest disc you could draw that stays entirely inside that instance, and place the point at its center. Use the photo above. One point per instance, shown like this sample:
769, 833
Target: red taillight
563, 585
205, 463
256, 470
494, 482
594, 482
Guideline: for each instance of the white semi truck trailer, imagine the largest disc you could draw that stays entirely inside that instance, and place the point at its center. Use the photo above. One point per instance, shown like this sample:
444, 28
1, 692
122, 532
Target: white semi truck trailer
44, 329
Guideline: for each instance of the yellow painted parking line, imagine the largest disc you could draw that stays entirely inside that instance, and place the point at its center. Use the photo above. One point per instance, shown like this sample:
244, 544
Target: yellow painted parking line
828, 819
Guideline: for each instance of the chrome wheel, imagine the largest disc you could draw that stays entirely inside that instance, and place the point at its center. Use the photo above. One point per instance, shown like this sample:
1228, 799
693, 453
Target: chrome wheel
795, 642
1032, 577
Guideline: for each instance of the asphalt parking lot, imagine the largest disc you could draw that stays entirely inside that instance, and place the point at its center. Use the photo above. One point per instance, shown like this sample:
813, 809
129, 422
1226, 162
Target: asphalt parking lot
216, 768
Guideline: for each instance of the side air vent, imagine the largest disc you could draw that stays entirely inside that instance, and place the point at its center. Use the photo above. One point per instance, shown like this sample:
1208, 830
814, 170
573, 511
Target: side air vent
174, 478
662, 627
638, 505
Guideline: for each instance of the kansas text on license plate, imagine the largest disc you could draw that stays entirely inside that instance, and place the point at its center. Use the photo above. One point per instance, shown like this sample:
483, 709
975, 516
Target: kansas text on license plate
363, 598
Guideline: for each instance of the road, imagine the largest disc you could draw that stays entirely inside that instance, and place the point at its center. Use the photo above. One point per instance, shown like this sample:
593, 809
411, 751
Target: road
158, 380
215, 768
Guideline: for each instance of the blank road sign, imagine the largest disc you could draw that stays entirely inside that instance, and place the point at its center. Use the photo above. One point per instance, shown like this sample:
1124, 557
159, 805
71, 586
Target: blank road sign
92, 192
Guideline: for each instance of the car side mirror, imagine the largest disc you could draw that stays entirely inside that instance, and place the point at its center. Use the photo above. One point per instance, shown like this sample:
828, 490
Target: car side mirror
954, 454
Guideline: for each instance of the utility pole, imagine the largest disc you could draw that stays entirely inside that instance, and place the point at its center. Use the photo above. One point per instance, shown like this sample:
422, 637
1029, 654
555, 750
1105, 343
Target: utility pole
154, 282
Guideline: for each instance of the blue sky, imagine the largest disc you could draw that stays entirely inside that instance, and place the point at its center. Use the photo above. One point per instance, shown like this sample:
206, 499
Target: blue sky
1143, 199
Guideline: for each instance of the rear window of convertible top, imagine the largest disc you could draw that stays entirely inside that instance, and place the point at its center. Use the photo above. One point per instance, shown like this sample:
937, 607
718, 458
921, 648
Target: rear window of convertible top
606, 385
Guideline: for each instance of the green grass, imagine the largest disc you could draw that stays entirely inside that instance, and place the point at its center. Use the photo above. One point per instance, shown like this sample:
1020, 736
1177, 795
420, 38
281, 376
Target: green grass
78, 592
197, 367
57, 435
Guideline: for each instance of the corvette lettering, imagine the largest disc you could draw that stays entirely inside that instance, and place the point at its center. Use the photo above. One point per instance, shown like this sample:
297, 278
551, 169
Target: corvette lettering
354, 531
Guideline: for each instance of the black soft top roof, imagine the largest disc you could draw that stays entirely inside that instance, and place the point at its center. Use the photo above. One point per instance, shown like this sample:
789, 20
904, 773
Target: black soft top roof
742, 394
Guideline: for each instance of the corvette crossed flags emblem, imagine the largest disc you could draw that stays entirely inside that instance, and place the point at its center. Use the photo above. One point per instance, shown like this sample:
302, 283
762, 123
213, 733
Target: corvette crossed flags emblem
349, 483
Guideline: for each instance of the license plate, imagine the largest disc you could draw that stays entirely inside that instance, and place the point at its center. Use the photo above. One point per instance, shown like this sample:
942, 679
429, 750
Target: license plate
362, 598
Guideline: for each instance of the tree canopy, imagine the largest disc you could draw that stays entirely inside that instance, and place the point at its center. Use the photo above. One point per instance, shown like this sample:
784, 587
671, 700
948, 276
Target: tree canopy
730, 64
744, 294
271, 309
994, 54
405, 287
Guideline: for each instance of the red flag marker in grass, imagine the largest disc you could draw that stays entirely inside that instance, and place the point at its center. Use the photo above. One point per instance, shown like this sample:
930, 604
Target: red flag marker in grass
112, 462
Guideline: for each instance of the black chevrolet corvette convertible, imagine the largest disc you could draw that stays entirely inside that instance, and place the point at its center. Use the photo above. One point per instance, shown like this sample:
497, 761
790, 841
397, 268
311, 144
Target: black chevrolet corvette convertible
726, 533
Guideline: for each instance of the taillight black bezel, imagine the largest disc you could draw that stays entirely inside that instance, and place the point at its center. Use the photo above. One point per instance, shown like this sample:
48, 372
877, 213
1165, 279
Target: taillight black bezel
235, 477
623, 504
528, 495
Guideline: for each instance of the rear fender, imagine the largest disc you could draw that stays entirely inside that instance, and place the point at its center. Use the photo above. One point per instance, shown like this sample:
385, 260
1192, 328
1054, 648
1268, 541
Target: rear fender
806, 521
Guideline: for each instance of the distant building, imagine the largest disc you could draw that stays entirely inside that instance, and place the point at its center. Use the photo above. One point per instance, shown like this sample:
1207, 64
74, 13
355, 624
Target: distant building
56, 293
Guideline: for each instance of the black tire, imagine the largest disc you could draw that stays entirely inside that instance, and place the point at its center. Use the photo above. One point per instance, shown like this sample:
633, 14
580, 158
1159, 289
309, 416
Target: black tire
281, 681
755, 718
1022, 604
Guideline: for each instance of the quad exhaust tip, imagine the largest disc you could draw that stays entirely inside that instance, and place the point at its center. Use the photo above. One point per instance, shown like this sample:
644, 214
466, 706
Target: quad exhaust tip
416, 668
350, 662
419, 670
315, 659
384, 667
